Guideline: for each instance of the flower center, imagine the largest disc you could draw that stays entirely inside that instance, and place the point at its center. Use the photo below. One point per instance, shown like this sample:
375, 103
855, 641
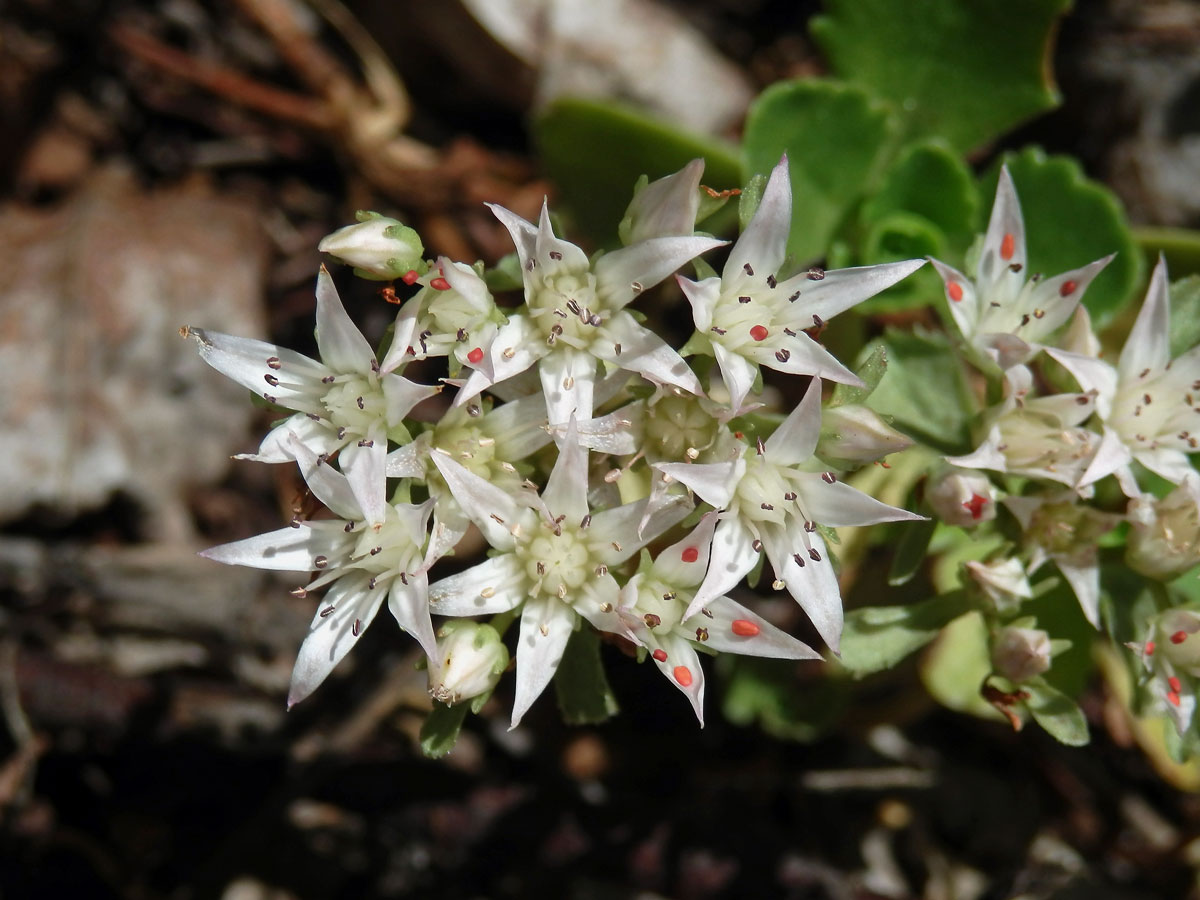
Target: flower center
559, 563
677, 427
386, 551
566, 307
764, 494
660, 606
355, 402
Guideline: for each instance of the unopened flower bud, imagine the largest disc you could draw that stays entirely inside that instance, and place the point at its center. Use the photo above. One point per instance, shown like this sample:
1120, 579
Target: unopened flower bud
1019, 654
1004, 582
1179, 639
471, 658
1165, 538
664, 208
378, 247
962, 497
856, 434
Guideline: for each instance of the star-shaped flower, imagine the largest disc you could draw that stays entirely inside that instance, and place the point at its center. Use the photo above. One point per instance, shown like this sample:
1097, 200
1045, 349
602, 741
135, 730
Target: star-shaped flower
771, 503
654, 606
346, 403
364, 558
575, 317
1004, 315
754, 318
554, 559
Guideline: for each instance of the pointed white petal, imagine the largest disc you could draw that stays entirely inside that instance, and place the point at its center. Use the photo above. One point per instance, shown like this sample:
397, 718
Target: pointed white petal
703, 296
407, 461
284, 550
751, 636
317, 436
401, 395
566, 489
480, 500
804, 357
838, 504
763, 244
964, 310
1092, 374
684, 564
667, 206
599, 602
1111, 456
841, 289
809, 580
682, 668
644, 352
1148, 344
546, 626
1083, 574
328, 485
554, 255
296, 383
342, 346
1168, 462
496, 585
1004, 243
363, 465
403, 331
518, 427
986, 456
618, 527
524, 233
737, 372
568, 378
1059, 297
716, 483
409, 605
618, 433
796, 438
331, 636
732, 556
516, 347
645, 264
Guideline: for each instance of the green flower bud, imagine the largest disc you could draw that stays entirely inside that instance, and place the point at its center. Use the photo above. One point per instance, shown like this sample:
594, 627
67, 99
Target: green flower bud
378, 247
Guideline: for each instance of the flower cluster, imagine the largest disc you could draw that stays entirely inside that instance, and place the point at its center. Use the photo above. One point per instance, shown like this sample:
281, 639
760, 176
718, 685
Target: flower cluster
621, 487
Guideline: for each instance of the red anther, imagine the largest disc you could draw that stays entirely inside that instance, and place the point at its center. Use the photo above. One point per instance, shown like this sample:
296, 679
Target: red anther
1067, 289
683, 675
440, 284
690, 554
1175, 683
739, 435
1173, 698
954, 291
1149, 648
1179, 637
744, 628
475, 356
410, 277
1007, 246
660, 655
759, 333
975, 505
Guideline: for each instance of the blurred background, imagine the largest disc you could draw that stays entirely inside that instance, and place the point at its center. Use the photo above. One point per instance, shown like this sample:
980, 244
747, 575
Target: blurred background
175, 163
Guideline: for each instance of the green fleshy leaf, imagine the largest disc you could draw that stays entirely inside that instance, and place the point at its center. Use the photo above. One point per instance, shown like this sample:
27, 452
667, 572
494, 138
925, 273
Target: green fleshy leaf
871, 368
1179, 246
580, 684
877, 637
966, 72
933, 182
911, 551
1069, 222
1057, 713
1185, 314
833, 134
749, 199
956, 665
924, 390
506, 276
441, 728
764, 691
595, 151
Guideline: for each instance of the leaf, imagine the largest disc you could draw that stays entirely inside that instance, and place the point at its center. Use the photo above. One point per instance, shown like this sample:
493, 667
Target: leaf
933, 182
1071, 220
956, 665
871, 368
1185, 314
1057, 713
833, 134
966, 72
911, 551
924, 389
595, 152
1180, 247
764, 691
877, 637
582, 689
440, 730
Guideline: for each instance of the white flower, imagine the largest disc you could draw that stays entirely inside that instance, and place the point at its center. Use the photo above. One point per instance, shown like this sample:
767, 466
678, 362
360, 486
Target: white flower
772, 504
455, 315
469, 661
1165, 539
1058, 527
1004, 582
363, 557
1149, 402
575, 317
1019, 654
961, 497
553, 560
853, 434
753, 318
666, 207
347, 402
1038, 437
1003, 314
377, 247
654, 604
1171, 657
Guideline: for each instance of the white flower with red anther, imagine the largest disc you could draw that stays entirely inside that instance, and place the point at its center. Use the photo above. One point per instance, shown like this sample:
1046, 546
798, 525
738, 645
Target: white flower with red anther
654, 605
1058, 527
348, 403
1171, 657
1149, 403
362, 557
1003, 313
453, 314
753, 317
575, 316
1164, 541
553, 561
961, 497
771, 503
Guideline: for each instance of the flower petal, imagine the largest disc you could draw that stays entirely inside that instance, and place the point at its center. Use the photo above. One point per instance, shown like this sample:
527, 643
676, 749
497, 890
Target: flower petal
1004, 242
644, 352
732, 556
546, 626
795, 440
295, 384
568, 378
763, 244
523, 233
363, 464
342, 346
838, 504
810, 581
314, 434
480, 500
964, 310
328, 485
291, 549
401, 395
1111, 456
752, 636
516, 347
566, 489
1082, 572
618, 527
738, 373
623, 274
409, 605
683, 564
703, 296
716, 483
1148, 344
348, 607
500, 578
804, 356
841, 289
682, 668
666, 206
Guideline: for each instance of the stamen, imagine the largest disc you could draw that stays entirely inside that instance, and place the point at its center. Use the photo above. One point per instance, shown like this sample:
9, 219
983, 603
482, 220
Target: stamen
660, 655
440, 284
1067, 289
954, 291
702, 634
816, 273
326, 611
585, 521
321, 562
689, 554
744, 628
651, 620
756, 545
771, 282
743, 299
488, 593
798, 560
410, 277
746, 267
555, 255
759, 333
813, 554
475, 356
682, 673
1008, 246
357, 627
828, 477
783, 355
758, 445
274, 363
299, 593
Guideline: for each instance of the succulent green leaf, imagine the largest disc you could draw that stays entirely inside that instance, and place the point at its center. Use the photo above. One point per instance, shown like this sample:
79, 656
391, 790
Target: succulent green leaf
932, 181
764, 691
1071, 220
595, 152
1180, 247
584, 695
911, 551
833, 134
877, 637
963, 71
440, 731
871, 367
1057, 713
1185, 314
954, 669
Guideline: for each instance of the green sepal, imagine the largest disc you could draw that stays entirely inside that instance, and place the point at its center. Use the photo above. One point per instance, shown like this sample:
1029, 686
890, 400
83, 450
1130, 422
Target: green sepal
878, 637
911, 551
441, 728
1058, 714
